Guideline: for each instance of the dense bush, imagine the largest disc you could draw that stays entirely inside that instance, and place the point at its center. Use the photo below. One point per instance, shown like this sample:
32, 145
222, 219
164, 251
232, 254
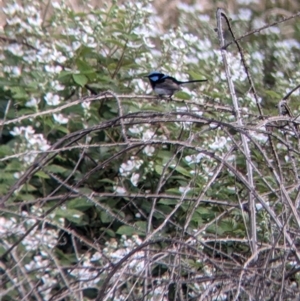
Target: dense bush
111, 193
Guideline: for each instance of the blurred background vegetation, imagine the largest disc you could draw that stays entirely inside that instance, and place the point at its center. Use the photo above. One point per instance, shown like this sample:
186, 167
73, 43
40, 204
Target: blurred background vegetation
109, 193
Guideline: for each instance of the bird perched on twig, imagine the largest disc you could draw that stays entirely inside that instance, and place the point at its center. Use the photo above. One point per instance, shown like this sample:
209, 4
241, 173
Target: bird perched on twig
163, 84
284, 109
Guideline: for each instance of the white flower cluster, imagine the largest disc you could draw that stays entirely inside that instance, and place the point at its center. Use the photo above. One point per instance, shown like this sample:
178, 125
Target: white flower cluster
117, 251
40, 65
114, 251
30, 142
130, 167
39, 241
26, 18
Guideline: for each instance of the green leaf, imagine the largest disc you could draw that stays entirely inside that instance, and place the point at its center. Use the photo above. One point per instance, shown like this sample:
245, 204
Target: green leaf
5, 150
183, 171
28, 197
168, 201
61, 128
183, 95
105, 217
196, 75
141, 225
158, 168
129, 231
126, 230
7, 175
64, 73
80, 79
109, 232
27, 187
73, 215
272, 94
116, 42
65, 258
84, 67
42, 174
174, 191
56, 169
85, 190
197, 219
81, 204
14, 166
18, 92
3, 188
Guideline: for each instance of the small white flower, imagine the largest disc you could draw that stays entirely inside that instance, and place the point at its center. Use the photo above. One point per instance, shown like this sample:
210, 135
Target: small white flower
127, 167
135, 129
252, 98
43, 51
194, 158
213, 125
257, 55
219, 143
243, 14
56, 5
134, 179
96, 256
178, 43
258, 206
204, 18
184, 189
15, 49
11, 9
16, 71
196, 111
17, 131
247, 2
29, 132
59, 118
259, 136
185, 7
44, 147
190, 38
17, 175
120, 190
57, 86
149, 150
148, 134
53, 69
30, 10
86, 105
37, 21
52, 100
14, 21
33, 102
76, 45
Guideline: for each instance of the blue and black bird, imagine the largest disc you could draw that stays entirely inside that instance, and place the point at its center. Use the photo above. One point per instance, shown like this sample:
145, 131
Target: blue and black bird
163, 84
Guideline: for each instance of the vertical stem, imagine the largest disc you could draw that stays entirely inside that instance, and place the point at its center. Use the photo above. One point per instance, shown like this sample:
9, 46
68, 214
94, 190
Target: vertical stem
251, 200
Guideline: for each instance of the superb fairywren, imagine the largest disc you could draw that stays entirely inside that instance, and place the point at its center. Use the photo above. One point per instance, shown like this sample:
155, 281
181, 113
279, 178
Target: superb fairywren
163, 84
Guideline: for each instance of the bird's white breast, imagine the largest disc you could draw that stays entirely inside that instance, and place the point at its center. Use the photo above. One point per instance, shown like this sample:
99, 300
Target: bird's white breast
161, 91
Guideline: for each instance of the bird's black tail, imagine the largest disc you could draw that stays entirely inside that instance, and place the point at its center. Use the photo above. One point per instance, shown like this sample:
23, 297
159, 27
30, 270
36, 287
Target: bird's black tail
194, 81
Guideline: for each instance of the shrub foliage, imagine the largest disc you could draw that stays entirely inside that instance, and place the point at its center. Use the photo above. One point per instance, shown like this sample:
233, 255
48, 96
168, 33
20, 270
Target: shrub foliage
111, 193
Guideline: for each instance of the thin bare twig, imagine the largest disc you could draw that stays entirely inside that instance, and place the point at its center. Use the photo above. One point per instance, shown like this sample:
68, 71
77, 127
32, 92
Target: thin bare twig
262, 28
252, 209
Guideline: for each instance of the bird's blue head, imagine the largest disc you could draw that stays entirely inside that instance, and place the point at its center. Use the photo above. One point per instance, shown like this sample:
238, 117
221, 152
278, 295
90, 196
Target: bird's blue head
155, 76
